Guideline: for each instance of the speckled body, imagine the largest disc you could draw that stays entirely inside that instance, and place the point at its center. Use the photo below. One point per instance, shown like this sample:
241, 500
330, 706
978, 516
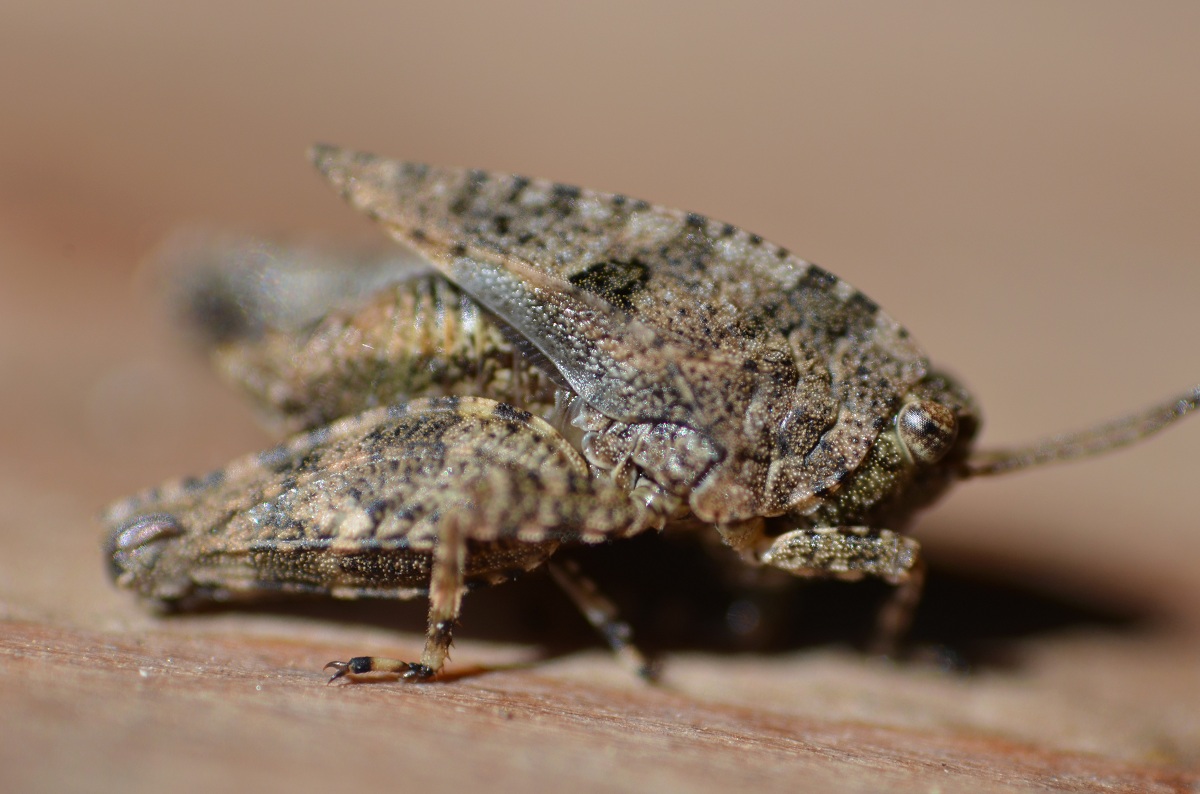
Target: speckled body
571, 367
420, 337
721, 366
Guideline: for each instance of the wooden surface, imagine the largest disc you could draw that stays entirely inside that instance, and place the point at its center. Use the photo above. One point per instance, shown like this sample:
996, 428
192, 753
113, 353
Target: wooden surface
1018, 185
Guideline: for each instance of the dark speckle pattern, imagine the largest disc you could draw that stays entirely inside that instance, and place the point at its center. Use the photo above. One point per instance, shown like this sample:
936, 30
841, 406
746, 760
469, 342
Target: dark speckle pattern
573, 367
691, 371
596, 287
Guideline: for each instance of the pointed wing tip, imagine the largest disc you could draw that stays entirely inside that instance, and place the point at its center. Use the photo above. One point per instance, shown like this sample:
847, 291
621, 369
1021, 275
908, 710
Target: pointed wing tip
322, 155
335, 163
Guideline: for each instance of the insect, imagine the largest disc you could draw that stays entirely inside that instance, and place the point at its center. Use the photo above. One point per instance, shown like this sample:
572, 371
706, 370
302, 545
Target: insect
566, 367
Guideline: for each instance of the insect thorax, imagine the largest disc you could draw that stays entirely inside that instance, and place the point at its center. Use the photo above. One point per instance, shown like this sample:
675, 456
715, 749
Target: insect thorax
906, 468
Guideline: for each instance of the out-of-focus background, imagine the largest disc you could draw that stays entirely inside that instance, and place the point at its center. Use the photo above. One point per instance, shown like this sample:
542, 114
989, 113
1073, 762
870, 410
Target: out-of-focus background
1018, 183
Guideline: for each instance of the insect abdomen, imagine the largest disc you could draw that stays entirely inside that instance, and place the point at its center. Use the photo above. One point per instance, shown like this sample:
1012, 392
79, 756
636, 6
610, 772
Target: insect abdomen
367, 570
419, 338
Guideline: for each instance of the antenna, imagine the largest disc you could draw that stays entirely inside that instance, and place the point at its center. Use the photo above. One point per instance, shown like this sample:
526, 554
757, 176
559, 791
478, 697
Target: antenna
1085, 443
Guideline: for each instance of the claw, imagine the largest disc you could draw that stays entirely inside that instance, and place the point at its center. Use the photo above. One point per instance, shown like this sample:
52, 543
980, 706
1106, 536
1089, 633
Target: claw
650, 672
362, 665
356, 666
340, 670
417, 672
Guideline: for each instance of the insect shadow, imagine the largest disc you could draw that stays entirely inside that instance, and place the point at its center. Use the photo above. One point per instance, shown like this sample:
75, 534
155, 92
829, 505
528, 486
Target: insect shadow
681, 596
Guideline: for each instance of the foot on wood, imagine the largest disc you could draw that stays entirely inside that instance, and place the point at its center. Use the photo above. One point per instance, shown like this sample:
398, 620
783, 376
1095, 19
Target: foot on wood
365, 665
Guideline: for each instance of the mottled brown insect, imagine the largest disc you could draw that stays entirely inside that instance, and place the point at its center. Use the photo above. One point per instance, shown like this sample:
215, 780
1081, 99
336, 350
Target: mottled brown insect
567, 367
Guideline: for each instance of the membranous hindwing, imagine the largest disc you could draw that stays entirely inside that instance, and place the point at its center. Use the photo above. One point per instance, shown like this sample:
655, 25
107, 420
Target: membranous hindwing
749, 381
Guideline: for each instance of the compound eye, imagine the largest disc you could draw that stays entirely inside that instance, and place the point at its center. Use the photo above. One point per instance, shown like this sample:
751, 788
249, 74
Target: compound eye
927, 429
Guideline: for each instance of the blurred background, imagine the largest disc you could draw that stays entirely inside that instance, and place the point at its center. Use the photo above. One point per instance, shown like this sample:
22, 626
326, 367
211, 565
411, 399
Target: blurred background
1016, 182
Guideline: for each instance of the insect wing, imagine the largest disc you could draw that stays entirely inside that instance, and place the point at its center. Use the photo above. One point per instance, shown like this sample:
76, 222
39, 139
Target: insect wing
356, 508
657, 315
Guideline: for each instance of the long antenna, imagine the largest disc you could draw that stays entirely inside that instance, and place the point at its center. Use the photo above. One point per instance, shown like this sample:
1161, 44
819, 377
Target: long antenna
1085, 443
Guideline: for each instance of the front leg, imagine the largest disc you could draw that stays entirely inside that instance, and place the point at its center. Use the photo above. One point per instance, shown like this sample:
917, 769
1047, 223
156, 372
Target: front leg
850, 554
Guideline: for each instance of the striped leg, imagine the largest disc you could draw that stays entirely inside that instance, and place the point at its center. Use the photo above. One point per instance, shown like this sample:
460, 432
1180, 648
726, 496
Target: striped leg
445, 604
602, 614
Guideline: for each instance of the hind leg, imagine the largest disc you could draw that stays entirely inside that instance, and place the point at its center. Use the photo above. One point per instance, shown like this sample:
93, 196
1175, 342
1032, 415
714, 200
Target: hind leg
602, 614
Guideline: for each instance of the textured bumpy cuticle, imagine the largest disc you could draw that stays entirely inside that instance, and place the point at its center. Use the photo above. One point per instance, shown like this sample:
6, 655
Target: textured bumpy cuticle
658, 316
418, 338
355, 509
565, 367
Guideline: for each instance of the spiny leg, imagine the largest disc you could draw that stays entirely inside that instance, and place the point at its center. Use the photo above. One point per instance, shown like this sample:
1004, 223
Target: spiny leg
603, 615
852, 553
445, 604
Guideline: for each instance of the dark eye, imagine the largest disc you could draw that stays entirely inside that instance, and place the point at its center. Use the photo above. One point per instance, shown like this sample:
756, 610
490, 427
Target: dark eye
928, 430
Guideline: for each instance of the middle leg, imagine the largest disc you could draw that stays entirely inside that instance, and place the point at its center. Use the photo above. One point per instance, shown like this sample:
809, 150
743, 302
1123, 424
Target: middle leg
446, 589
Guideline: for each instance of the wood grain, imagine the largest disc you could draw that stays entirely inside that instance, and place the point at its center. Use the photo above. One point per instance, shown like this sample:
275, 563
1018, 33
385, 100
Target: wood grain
95, 689
145, 710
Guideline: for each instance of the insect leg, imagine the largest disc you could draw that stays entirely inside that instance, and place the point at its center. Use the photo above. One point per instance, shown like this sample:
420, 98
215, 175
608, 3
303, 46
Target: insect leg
896, 614
602, 614
853, 553
445, 604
